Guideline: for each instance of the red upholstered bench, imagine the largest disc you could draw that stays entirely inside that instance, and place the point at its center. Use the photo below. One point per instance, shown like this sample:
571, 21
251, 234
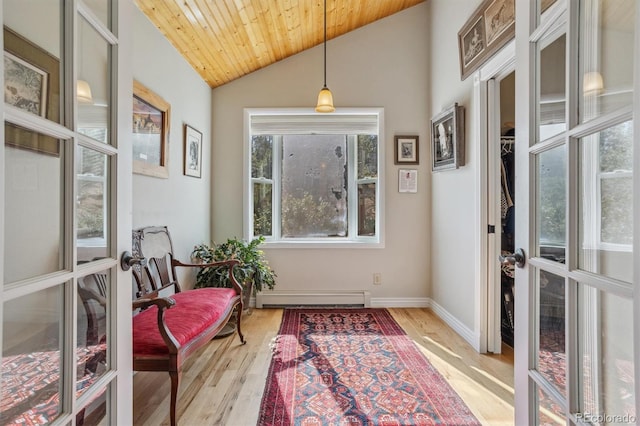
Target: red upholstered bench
166, 330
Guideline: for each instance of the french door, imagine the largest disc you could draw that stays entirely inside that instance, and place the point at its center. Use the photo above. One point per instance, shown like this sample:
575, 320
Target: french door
576, 297
65, 205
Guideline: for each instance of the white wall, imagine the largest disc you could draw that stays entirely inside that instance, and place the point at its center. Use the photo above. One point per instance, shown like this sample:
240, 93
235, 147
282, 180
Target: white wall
385, 64
180, 202
453, 202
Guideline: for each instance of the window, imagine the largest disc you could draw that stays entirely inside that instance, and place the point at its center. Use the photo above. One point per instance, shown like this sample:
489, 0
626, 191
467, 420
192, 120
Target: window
314, 178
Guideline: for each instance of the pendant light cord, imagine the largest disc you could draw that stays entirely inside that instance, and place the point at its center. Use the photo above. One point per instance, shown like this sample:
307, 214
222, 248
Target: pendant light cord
325, 43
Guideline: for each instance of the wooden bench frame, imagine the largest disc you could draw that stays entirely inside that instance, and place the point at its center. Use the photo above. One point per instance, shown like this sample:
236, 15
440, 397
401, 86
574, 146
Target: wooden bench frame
157, 277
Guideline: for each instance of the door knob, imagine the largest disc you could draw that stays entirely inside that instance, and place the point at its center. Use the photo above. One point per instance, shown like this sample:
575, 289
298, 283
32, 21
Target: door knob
128, 260
516, 258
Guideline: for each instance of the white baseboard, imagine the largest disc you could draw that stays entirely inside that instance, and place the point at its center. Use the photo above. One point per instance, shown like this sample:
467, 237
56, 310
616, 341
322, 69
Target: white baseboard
400, 302
465, 332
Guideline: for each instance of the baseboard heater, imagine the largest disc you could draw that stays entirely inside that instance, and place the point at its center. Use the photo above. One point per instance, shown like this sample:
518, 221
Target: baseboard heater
283, 299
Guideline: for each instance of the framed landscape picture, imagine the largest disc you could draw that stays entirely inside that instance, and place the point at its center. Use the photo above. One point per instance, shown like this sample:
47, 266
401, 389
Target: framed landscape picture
150, 133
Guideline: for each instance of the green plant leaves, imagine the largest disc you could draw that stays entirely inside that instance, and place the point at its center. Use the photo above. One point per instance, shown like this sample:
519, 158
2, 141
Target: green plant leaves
254, 266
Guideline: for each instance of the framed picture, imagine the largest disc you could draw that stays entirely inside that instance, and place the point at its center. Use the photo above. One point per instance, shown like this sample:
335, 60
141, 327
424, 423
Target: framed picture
407, 180
150, 133
489, 28
447, 139
406, 150
32, 84
192, 152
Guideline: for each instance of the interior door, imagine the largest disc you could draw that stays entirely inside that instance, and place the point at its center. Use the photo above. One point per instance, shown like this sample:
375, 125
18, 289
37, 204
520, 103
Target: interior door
65, 207
575, 359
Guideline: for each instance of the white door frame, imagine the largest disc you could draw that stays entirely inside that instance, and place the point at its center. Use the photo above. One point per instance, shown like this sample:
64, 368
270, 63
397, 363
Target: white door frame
487, 246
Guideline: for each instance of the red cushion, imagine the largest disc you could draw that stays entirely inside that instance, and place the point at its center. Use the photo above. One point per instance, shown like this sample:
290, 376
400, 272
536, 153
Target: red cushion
193, 312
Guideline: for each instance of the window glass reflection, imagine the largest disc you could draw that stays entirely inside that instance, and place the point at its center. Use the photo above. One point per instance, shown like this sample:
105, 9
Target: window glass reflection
93, 85
33, 204
31, 373
92, 204
606, 202
607, 29
93, 321
552, 356
32, 68
552, 93
550, 412
552, 186
605, 347
94, 413
101, 9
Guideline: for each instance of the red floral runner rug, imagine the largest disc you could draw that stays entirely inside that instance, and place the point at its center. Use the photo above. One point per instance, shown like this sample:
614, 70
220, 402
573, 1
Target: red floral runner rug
354, 367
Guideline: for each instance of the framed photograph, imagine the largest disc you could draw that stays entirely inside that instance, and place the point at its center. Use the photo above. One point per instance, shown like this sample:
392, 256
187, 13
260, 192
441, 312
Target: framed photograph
447, 139
192, 152
32, 84
489, 28
406, 150
150, 133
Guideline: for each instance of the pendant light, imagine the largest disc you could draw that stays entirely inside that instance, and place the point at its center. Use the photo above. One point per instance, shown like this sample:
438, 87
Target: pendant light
325, 98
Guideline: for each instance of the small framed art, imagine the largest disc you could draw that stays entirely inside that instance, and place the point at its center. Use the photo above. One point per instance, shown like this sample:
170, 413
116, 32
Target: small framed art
192, 152
447, 139
408, 180
406, 150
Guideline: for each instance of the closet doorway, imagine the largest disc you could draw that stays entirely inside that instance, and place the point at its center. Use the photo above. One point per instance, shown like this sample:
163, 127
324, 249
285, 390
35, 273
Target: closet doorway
501, 210
507, 207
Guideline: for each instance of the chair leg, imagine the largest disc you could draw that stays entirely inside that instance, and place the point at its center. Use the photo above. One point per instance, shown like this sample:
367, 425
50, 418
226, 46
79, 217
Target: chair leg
238, 322
175, 381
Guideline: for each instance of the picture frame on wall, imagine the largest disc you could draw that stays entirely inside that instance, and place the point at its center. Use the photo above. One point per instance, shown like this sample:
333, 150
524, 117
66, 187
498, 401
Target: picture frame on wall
150, 133
447, 139
192, 152
32, 84
406, 150
488, 29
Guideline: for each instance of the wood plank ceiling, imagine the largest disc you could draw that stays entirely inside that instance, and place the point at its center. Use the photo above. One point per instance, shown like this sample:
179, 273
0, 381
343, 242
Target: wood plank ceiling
226, 39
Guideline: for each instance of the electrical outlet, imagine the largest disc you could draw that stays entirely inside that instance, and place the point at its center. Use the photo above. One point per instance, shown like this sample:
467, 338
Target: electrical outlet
377, 278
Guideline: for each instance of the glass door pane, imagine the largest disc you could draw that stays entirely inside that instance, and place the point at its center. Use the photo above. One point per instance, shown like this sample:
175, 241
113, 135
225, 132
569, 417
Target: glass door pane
34, 205
606, 202
94, 84
552, 196
32, 358
552, 355
605, 345
93, 318
92, 205
607, 30
32, 66
552, 101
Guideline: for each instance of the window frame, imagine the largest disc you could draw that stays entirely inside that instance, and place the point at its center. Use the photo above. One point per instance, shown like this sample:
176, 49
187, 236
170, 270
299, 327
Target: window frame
353, 241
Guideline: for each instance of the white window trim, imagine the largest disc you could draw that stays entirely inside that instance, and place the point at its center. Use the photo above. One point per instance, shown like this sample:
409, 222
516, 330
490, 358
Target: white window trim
361, 242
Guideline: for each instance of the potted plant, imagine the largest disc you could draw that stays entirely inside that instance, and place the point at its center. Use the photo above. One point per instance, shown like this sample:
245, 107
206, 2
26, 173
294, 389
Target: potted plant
253, 273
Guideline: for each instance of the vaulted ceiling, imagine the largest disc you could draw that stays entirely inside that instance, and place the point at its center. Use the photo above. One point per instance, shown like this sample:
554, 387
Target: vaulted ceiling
226, 39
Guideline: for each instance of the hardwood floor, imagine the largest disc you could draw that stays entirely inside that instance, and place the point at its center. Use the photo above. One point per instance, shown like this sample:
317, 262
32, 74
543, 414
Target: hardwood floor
222, 384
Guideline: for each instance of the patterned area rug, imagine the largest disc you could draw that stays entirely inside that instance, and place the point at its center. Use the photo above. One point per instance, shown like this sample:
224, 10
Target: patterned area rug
354, 367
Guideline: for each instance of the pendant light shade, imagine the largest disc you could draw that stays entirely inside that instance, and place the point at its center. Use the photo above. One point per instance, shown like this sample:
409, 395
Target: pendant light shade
84, 92
325, 101
325, 98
